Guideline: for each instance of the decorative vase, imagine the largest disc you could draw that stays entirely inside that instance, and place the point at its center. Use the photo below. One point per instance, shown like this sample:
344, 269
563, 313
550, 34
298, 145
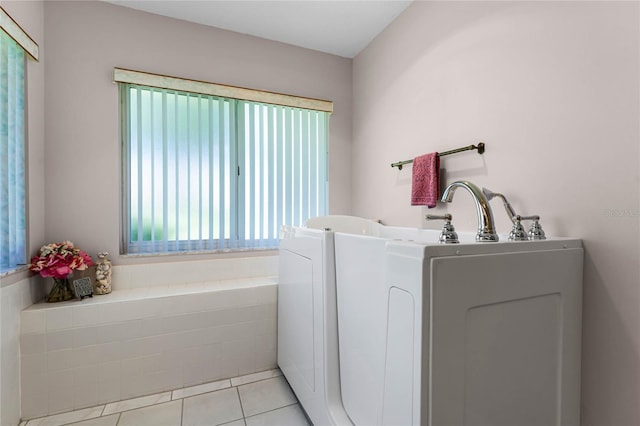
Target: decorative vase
103, 274
60, 291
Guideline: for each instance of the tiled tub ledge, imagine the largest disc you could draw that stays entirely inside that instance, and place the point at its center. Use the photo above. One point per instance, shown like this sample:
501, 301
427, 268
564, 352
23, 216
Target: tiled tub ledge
141, 341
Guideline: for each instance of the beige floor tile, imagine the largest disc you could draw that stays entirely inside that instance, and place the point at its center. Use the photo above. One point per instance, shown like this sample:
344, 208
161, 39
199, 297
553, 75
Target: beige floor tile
265, 398
65, 418
235, 423
200, 389
291, 415
250, 378
166, 414
265, 395
132, 404
211, 409
111, 420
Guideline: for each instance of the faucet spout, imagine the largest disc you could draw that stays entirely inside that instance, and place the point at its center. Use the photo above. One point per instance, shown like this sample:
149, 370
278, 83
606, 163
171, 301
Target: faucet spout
486, 228
489, 194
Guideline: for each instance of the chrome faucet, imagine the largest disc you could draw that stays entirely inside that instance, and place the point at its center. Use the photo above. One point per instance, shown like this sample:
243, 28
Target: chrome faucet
517, 232
486, 228
489, 194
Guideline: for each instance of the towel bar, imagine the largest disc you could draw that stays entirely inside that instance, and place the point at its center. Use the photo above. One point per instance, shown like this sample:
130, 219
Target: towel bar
479, 147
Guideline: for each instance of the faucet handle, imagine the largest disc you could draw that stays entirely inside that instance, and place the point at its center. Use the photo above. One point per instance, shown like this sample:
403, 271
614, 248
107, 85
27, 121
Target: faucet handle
448, 234
517, 231
535, 230
446, 216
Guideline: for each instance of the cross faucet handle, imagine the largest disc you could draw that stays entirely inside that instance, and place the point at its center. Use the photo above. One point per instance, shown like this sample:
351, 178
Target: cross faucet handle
535, 230
448, 234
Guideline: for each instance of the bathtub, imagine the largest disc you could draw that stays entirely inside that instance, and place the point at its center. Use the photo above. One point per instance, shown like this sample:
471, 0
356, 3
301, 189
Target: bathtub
307, 316
307, 309
471, 333
165, 326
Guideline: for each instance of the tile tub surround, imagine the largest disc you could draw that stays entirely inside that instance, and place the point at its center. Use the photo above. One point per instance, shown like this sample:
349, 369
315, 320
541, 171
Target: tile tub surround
144, 340
14, 296
192, 271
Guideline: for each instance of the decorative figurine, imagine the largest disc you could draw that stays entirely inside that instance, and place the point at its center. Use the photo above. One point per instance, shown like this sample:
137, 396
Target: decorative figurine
82, 287
103, 274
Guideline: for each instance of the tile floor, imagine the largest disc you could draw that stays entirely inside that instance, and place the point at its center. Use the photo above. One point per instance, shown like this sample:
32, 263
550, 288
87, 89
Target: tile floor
260, 399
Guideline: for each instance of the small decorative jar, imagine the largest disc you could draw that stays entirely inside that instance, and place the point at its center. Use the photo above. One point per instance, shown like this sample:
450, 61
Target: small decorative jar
103, 274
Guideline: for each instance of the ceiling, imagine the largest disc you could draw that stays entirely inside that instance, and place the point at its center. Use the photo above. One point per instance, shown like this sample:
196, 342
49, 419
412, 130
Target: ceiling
339, 27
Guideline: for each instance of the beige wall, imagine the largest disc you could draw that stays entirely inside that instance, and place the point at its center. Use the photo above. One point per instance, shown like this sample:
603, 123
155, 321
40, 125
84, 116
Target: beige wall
552, 89
86, 40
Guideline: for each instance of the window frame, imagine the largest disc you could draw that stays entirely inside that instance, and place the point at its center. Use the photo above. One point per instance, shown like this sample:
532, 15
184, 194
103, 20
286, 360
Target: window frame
174, 84
19, 225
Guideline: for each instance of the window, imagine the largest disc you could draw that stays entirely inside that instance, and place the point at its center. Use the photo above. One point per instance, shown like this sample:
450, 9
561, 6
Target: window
15, 47
204, 172
12, 155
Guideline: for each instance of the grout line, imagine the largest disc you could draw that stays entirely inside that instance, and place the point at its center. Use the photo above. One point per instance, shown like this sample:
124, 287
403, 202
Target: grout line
182, 412
141, 406
258, 380
40, 420
241, 407
82, 420
274, 409
202, 393
261, 380
233, 421
79, 421
119, 413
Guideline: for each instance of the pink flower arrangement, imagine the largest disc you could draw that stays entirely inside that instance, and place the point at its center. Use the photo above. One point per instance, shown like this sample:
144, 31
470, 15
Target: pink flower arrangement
58, 260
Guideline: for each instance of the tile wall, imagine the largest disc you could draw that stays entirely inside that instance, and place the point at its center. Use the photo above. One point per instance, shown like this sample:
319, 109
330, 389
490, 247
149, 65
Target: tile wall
13, 298
141, 340
192, 272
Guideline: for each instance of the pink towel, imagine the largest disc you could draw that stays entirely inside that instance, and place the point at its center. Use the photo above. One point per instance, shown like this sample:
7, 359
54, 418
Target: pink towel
425, 182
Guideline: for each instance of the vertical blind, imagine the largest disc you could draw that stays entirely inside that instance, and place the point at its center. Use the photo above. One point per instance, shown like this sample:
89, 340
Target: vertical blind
12, 155
210, 173
284, 151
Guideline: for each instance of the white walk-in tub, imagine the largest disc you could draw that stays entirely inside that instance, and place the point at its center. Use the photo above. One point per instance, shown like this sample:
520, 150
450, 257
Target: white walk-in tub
307, 318
483, 334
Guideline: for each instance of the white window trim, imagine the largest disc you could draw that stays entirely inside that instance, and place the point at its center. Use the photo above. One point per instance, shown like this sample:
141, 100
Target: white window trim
11, 27
121, 75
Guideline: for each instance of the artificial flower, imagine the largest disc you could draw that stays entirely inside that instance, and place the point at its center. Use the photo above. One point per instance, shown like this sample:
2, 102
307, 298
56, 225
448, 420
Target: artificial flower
58, 260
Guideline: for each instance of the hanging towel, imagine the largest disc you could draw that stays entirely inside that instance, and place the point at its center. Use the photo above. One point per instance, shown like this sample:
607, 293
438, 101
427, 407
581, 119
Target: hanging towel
425, 182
